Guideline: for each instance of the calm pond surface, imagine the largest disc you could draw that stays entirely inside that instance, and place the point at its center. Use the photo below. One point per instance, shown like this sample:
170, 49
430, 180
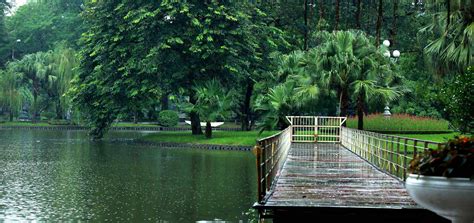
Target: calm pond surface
61, 175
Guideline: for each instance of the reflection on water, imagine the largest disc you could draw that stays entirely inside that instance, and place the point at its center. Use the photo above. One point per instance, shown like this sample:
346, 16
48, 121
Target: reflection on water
52, 175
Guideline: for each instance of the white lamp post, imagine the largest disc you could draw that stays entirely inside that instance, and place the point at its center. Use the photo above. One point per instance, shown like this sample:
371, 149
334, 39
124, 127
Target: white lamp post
395, 54
18, 41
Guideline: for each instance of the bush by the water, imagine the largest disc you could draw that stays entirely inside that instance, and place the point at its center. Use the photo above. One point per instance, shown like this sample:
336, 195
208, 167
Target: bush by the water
401, 123
168, 118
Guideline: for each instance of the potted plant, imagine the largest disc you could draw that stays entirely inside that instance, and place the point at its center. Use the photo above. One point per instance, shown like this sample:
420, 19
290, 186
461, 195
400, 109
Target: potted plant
443, 180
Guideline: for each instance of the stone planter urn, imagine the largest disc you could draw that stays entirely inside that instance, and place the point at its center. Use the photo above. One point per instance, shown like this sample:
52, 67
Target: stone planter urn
452, 198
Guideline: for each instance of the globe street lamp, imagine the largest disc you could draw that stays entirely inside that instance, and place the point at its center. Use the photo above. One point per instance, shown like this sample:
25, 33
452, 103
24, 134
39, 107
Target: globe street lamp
395, 55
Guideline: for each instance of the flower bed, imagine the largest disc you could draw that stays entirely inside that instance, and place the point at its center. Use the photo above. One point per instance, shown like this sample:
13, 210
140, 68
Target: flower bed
401, 123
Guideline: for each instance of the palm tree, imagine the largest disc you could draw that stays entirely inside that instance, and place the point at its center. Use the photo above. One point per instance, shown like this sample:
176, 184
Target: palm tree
348, 62
212, 103
275, 105
453, 28
366, 88
336, 60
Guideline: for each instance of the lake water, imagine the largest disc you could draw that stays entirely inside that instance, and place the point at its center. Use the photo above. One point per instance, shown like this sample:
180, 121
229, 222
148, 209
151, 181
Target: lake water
61, 175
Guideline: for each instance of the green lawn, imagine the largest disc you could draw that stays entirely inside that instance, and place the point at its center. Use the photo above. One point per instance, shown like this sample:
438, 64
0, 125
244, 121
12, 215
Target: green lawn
238, 138
432, 137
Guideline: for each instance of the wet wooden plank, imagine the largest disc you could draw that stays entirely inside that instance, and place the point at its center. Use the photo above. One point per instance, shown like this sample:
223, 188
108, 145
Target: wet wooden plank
329, 175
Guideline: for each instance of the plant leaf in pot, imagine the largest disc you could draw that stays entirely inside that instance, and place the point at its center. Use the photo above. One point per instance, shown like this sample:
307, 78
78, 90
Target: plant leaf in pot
442, 180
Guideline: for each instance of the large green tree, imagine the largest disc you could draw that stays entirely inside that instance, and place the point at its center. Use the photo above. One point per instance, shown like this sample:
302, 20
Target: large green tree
64, 69
41, 25
179, 41
37, 73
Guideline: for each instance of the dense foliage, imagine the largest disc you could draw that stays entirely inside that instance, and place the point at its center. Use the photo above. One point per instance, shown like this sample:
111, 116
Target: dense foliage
457, 95
278, 57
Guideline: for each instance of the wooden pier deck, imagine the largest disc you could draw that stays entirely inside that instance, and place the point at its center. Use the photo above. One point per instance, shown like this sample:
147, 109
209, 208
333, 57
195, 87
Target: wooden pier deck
329, 175
328, 181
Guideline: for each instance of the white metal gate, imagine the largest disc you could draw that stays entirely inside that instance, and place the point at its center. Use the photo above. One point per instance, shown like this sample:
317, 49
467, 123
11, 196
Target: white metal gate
315, 128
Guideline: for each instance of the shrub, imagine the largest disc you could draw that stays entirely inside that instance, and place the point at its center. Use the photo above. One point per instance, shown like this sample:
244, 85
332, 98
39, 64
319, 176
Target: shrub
168, 118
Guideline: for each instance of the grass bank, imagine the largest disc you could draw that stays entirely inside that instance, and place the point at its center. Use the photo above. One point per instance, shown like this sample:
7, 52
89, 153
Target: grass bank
42, 124
119, 124
234, 138
432, 137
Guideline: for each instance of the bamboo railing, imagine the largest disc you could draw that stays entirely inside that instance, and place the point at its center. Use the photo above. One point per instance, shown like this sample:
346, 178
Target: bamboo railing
392, 154
271, 154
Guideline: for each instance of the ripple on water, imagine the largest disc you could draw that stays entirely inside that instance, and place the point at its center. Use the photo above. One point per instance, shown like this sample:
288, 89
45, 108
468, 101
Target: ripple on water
66, 177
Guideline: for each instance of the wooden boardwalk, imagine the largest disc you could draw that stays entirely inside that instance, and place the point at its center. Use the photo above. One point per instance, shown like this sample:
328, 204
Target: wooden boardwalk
330, 176
349, 176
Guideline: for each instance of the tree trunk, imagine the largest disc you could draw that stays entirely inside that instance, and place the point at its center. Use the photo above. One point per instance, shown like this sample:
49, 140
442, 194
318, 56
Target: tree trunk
305, 16
135, 118
344, 103
165, 101
321, 10
208, 130
379, 23
245, 119
336, 26
59, 110
35, 112
311, 14
448, 14
359, 2
11, 114
360, 112
195, 121
393, 32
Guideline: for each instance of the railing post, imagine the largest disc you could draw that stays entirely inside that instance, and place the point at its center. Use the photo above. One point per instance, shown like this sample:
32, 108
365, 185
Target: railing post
415, 148
398, 157
315, 129
405, 155
264, 168
258, 154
